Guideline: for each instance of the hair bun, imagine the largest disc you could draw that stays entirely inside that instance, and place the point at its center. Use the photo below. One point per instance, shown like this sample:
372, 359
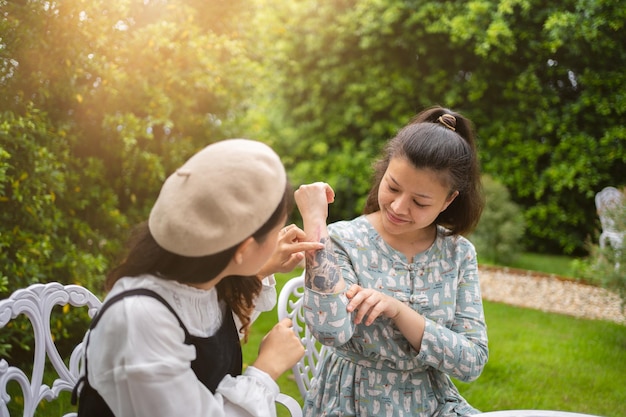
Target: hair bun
448, 121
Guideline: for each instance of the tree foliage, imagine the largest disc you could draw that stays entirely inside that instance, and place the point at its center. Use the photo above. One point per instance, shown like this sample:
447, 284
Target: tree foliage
543, 83
100, 101
42, 233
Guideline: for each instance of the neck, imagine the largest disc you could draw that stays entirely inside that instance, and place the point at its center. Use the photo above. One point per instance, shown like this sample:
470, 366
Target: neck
206, 285
409, 244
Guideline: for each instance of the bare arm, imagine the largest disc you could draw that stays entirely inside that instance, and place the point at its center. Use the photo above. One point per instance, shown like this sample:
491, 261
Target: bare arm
322, 272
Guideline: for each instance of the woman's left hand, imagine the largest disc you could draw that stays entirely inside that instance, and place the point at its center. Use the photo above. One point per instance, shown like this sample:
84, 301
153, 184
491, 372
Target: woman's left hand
371, 303
289, 251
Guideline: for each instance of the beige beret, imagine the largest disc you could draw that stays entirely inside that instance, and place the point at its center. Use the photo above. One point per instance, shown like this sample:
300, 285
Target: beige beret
222, 195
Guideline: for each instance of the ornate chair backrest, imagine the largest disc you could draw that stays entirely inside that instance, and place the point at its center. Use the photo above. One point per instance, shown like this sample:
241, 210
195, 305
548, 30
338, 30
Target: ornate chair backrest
290, 304
36, 303
606, 200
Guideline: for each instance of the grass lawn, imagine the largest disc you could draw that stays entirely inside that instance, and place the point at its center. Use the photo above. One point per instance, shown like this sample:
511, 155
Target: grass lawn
537, 361
552, 264
550, 361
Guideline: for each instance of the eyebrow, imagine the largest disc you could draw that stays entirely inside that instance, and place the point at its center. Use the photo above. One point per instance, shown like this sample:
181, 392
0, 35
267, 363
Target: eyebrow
416, 195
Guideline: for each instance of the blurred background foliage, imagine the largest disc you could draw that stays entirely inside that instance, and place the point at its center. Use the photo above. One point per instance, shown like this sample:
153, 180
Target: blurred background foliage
100, 100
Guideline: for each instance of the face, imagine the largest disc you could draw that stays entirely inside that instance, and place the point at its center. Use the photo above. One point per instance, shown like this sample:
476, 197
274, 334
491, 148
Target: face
410, 199
258, 253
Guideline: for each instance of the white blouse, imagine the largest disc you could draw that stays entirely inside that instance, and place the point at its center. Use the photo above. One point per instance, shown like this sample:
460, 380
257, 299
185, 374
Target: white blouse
138, 361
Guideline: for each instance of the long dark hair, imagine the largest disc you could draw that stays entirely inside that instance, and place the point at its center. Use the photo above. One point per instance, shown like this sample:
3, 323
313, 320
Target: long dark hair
446, 145
145, 256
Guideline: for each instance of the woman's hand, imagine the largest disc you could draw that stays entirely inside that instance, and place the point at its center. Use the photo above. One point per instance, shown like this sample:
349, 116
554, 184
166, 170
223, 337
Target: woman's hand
371, 303
289, 251
279, 350
313, 200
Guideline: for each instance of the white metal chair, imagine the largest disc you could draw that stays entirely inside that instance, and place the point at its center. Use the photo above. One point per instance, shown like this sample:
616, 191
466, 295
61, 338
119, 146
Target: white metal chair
610, 198
36, 303
290, 302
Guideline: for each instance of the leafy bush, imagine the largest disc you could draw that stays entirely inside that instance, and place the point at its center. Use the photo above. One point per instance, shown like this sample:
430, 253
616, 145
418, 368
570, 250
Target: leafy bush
42, 237
498, 235
538, 79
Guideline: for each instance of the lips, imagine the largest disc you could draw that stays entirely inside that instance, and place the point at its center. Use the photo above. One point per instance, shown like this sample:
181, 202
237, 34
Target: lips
394, 219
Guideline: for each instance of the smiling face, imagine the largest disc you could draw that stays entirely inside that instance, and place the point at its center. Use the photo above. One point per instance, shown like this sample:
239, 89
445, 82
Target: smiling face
410, 199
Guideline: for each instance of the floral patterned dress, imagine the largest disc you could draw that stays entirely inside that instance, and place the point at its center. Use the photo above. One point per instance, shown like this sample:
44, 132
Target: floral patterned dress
373, 370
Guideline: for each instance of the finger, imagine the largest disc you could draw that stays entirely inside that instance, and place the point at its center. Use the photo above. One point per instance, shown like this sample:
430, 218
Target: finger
374, 313
286, 322
361, 312
330, 194
292, 261
365, 305
353, 290
294, 234
299, 232
306, 246
287, 229
356, 301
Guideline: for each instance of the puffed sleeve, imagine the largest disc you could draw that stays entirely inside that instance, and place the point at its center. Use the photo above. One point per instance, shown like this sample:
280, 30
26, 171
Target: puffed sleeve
267, 298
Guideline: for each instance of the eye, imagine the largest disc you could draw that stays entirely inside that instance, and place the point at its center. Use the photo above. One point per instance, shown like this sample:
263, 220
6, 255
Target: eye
418, 204
392, 189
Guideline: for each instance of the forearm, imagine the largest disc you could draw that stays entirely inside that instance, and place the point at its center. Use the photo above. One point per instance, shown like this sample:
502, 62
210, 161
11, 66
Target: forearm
322, 273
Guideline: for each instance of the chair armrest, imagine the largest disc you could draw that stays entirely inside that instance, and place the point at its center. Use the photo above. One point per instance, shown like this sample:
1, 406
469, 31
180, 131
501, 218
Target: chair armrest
295, 410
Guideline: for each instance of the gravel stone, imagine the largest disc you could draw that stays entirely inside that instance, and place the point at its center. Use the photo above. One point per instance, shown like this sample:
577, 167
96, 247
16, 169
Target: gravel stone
550, 293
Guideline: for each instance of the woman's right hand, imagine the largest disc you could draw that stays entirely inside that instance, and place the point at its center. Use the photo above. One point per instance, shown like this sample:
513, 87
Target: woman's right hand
279, 350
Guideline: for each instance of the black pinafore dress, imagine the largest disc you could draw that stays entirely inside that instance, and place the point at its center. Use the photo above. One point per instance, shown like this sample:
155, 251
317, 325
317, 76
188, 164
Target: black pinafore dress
216, 356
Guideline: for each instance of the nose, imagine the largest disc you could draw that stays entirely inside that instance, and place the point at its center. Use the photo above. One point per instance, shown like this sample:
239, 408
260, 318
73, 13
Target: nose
401, 204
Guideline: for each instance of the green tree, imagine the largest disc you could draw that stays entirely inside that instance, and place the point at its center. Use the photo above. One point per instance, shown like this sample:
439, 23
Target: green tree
542, 81
116, 94
99, 101
43, 235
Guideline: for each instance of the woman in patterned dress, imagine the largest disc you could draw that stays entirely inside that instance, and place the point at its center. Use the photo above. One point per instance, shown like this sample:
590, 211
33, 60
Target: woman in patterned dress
395, 292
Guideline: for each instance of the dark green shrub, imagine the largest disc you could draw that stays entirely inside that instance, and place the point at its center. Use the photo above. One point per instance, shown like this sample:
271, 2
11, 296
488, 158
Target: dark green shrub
498, 235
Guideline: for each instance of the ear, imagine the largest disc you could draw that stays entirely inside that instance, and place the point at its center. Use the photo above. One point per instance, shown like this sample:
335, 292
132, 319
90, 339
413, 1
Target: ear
450, 199
241, 251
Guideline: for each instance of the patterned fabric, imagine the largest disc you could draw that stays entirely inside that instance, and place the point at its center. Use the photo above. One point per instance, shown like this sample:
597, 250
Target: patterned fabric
373, 370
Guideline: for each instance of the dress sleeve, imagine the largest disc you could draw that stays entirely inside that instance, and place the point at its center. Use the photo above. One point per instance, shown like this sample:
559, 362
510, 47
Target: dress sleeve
141, 367
461, 350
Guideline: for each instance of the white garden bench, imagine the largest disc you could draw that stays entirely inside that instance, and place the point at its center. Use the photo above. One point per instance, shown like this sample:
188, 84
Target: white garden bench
36, 303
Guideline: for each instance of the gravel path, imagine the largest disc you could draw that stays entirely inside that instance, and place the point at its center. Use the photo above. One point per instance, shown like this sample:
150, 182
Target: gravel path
550, 293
